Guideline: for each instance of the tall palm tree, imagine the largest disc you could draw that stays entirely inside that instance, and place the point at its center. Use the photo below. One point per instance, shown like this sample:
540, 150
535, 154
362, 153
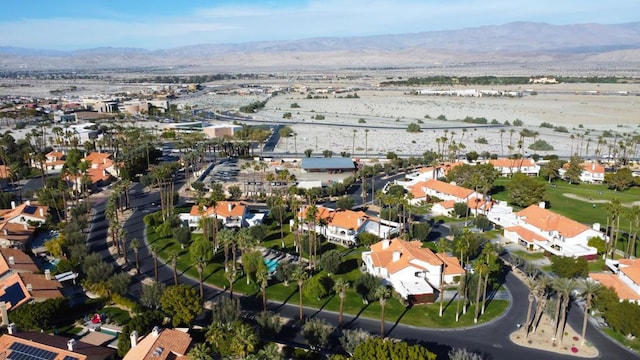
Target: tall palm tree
153, 248
480, 268
262, 277
366, 139
300, 275
382, 293
135, 246
340, 287
614, 209
541, 294
564, 287
226, 237
589, 290
490, 256
531, 283
173, 258
200, 264
634, 225
442, 246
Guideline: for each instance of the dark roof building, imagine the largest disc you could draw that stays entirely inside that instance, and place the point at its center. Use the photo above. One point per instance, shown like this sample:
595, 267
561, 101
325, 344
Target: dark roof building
330, 165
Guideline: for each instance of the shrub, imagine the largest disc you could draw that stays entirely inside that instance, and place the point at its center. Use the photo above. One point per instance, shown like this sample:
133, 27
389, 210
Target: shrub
541, 145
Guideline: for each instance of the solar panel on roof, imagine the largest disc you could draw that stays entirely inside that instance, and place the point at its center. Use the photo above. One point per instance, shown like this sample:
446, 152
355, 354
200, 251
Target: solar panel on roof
13, 294
21, 351
30, 210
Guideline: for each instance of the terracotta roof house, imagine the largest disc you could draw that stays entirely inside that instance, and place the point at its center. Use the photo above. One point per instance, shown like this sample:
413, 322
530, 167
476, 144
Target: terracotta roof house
413, 271
55, 160
20, 288
18, 223
101, 169
539, 229
508, 167
14, 261
38, 346
592, 172
424, 190
624, 279
343, 226
233, 214
160, 344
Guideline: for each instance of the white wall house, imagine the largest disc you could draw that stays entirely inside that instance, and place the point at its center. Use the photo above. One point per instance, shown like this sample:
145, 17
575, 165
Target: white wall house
539, 229
625, 279
232, 214
508, 167
413, 271
592, 172
344, 226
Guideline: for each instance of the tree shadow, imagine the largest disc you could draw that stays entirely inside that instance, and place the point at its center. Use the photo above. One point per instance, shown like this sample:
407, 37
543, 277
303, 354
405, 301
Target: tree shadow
347, 266
352, 321
323, 305
287, 299
406, 309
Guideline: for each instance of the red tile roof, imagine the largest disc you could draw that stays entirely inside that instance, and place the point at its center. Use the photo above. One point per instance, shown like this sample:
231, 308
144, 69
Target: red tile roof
613, 281
546, 220
409, 251
511, 163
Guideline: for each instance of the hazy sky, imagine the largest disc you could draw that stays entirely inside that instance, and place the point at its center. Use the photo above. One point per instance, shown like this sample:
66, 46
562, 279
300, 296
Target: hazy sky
156, 24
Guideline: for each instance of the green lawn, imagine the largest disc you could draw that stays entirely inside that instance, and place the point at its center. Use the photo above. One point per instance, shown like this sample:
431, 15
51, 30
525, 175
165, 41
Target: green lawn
529, 255
421, 315
622, 339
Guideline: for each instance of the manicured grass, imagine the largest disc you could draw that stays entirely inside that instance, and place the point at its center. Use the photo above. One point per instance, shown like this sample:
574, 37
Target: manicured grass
621, 338
422, 315
576, 209
529, 255
596, 265
116, 315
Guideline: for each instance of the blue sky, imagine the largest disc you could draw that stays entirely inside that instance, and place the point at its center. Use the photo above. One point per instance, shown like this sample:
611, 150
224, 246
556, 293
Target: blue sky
157, 24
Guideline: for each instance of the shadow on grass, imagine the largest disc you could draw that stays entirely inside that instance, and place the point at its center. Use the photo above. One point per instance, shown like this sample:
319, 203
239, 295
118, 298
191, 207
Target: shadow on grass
323, 305
286, 300
352, 321
347, 266
406, 309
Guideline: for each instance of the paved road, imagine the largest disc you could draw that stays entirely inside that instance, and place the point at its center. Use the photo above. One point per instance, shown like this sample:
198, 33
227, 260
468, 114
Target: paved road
491, 339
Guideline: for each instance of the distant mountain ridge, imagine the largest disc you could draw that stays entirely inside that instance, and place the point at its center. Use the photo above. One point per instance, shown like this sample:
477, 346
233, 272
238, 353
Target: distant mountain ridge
517, 41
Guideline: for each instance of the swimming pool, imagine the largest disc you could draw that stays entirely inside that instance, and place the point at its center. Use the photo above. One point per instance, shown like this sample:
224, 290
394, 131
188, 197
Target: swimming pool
272, 264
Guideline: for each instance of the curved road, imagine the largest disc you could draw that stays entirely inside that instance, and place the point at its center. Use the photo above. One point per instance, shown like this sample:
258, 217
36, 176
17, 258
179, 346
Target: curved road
492, 339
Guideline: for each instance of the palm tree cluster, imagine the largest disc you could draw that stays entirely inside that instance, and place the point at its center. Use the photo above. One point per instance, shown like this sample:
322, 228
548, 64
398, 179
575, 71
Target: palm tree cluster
615, 213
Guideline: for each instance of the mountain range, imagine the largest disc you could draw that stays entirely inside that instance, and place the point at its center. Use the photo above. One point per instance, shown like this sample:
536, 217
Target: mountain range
526, 46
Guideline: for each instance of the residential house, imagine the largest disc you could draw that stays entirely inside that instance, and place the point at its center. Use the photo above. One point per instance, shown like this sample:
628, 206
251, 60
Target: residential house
101, 169
23, 287
232, 214
160, 344
18, 224
15, 261
38, 345
508, 167
592, 172
413, 271
624, 279
343, 226
539, 229
449, 194
54, 160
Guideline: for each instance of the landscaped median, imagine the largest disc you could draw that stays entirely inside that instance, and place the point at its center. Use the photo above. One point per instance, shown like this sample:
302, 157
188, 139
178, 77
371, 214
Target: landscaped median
395, 310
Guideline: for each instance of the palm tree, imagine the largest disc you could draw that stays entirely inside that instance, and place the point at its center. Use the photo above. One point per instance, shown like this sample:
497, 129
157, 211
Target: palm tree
382, 293
480, 268
244, 339
442, 248
154, 253
634, 225
135, 246
262, 277
531, 283
300, 276
226, 237
614, 209
173, 258
200, 351
564, 287
270, 352
541, 294
589, 289
490, 257
366, 139
340, 287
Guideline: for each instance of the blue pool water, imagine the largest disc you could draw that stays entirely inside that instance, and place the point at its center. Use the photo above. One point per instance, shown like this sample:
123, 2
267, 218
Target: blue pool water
272, 264
50, 265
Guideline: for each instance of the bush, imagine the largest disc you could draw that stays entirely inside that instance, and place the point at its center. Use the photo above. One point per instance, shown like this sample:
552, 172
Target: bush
541, 145
562, 129
365, 285
546, 125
